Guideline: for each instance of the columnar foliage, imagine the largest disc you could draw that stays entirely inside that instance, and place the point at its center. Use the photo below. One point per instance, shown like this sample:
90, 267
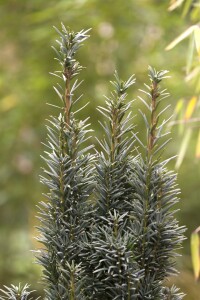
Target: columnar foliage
158, 235
64, 217
107, 227
111, 264
131, 247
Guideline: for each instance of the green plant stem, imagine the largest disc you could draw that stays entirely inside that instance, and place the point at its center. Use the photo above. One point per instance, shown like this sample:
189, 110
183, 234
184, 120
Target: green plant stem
114, 129
67, 98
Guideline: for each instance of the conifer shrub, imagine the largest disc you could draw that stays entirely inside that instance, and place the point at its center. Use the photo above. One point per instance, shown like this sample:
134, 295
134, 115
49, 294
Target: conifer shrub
107, 227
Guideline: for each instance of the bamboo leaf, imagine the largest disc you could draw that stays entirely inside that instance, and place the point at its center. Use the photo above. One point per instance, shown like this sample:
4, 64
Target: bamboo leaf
177, 113
190, 54
183, 148
190, 108
181, 37
174, 4
197, 38
179, 106
194, 73
186, 8
194, 243
197, 154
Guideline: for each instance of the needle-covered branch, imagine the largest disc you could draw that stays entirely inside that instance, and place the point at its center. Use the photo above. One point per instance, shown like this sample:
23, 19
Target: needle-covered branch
64, 218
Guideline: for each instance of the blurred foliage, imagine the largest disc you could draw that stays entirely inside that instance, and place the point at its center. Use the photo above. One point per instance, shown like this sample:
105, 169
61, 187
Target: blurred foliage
127, 36
187, 116
187, 111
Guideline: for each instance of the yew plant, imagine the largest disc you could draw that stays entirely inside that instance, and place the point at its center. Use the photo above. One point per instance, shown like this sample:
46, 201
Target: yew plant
107, 227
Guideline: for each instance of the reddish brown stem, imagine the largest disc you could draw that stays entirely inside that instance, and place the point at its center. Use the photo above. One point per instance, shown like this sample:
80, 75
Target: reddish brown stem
152, 133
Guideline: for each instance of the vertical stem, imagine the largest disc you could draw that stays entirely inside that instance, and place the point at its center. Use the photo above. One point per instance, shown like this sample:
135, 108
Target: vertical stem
152, 133
113, 142
150, 145
115, 132
61, 154
67, 99
72, 292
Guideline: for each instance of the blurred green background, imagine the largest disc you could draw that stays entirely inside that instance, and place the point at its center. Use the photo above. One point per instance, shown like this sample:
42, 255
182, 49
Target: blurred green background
127, 36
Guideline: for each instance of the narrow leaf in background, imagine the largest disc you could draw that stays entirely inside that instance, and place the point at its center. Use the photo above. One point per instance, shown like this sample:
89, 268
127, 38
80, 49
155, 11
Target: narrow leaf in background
174, 4
186, 8
197, 38
195, 244
181, 37
183, 148
190, 108
198, 146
